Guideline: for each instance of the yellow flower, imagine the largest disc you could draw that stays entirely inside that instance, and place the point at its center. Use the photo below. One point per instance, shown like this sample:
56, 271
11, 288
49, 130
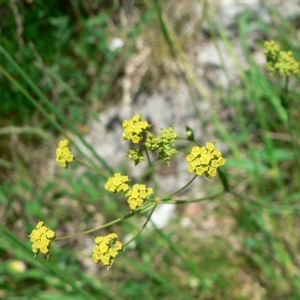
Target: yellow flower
106, 249
287, 64
63, 154
205, 160
117, 183
163, 142
271, 48
41, 237
134, 128
279, 61
136, 155
137, 195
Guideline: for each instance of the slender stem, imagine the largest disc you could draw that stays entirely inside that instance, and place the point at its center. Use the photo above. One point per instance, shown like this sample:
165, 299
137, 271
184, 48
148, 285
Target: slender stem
280, 207
131, 214
91, 167
179, 190
151, 172
208, 197
164, 28
187, 140
233, 192
286, 87
223, 177
143, 227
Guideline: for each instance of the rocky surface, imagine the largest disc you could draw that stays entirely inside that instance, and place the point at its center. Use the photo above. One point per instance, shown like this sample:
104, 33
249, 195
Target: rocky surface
213, 65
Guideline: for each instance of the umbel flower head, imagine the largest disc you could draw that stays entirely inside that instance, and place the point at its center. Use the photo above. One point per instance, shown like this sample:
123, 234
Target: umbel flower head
137, 195
41, 237
279, 61
271, 49
134, 128
106, 249
205, 160
136, 155
118, 183
163, 142
63, 154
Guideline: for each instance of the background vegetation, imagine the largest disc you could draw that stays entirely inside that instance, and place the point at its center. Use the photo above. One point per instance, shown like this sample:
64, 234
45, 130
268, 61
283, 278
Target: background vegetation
58, 71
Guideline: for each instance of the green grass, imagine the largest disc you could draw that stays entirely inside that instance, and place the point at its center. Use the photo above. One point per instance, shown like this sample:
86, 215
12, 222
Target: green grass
242, 244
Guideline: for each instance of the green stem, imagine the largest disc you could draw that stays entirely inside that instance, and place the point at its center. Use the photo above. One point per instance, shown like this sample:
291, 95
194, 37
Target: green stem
131, 214
164, 28
179, 190
223, 177
270, 206
187, 140
246, 197
195, 200
151, 172
286, 88
91, 167
143, 227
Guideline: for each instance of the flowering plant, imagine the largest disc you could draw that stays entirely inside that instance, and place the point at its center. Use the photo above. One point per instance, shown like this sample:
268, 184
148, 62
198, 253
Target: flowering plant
202, 160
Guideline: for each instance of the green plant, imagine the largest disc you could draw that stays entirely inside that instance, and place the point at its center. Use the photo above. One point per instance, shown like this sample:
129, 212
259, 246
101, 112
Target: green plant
241, 243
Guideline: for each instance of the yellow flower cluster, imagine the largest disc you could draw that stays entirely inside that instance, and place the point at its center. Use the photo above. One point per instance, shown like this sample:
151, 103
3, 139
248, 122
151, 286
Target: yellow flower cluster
279, 61
134, 128
106, 249
205, 159
137, 195
136, 155
271, 48
163, 142
118, 183
41, 237
63, 154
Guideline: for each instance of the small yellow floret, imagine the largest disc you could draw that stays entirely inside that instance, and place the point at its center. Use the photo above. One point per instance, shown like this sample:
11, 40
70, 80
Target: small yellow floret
137, 195
118, 183
41, 237
271, 48
63, 154
205, 160
134, 128
106, 249
282, 62
136, 155
163, 142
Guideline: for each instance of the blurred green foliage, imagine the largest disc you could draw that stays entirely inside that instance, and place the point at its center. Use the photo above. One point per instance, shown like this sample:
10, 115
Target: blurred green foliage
58, 42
